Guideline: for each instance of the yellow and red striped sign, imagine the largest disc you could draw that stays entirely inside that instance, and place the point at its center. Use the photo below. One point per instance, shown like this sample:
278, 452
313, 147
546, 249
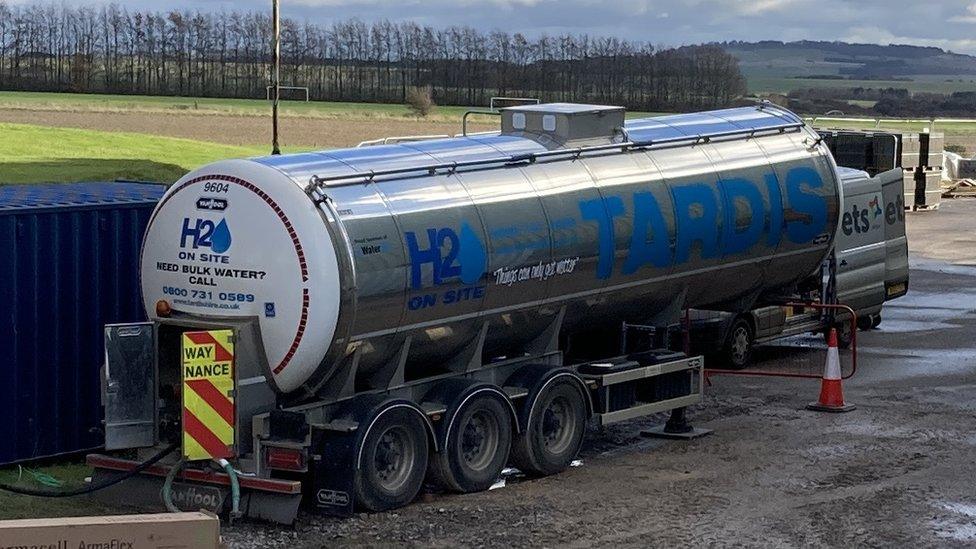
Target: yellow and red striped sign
208, 394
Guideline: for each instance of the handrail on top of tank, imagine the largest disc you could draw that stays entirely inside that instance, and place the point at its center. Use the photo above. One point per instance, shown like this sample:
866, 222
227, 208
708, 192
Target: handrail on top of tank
357, 178
464, 118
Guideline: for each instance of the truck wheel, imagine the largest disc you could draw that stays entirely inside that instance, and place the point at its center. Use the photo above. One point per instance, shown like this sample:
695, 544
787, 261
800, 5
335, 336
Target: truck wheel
554, 431
392, 460
865, 323
876, 320
479, 437
738, 345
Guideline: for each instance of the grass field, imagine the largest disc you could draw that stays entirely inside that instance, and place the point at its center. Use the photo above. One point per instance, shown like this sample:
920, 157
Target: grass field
208, 105
74, 137
957, 133
221, 106
34, 153
15, 506
236, 122
784, 85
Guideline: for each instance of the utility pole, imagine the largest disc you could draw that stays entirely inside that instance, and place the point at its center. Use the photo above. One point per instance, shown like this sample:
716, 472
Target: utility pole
275, 74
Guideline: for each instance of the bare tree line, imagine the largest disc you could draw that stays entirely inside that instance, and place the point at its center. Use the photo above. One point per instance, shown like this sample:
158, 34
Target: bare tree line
114, 50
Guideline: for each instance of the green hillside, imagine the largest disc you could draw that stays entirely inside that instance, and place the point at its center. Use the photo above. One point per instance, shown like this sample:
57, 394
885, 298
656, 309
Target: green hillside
778, 67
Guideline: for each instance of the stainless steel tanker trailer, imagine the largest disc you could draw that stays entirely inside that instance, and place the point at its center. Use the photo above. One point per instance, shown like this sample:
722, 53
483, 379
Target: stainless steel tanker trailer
346, 324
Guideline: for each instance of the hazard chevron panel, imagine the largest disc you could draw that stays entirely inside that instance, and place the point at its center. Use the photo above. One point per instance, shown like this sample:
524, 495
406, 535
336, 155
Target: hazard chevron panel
208, 395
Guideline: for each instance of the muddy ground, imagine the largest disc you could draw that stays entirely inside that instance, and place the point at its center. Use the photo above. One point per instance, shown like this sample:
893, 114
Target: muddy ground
242, 129
895, 472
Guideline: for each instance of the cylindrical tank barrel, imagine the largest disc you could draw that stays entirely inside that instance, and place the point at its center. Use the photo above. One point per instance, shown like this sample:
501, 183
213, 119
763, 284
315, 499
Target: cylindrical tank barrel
490, 238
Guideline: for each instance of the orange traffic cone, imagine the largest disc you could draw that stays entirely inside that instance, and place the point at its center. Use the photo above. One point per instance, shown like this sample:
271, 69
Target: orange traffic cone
831, 393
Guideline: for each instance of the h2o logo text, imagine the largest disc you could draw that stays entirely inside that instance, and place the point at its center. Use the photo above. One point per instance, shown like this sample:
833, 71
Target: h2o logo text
450, 255
204, 233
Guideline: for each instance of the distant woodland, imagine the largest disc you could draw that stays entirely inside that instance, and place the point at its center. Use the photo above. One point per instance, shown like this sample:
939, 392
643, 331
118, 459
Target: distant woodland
893, 102
112, 49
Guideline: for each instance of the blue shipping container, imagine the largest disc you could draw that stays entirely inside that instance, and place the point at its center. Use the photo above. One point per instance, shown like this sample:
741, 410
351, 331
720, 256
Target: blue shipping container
69, 264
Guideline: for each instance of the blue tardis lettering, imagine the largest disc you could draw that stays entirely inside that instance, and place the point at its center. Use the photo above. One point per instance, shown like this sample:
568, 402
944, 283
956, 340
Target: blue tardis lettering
649, 243
603, 211
775, 229
696, 216
734, 239
811, 208
696, 213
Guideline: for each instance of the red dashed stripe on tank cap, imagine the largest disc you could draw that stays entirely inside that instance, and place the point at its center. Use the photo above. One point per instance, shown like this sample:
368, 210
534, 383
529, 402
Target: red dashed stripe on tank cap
298, 335
299, 251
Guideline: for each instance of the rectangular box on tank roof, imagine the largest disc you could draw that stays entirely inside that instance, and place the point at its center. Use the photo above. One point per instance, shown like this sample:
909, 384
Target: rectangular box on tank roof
564, 123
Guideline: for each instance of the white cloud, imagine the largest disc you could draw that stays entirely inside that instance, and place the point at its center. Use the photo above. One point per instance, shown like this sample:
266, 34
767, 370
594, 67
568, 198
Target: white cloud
761, 7
384, 4
968, 17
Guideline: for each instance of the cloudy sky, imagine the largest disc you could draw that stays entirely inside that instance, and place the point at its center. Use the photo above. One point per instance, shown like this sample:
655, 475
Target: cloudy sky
949, 24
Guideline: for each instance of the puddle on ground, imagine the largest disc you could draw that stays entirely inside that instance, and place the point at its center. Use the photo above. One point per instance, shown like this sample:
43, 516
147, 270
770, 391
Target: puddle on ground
511, 474
955, 301
831, 451
866, 428
942, 267
961, 528
899, 326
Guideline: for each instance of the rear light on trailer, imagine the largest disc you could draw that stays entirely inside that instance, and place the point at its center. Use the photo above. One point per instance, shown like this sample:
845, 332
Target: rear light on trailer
284, 459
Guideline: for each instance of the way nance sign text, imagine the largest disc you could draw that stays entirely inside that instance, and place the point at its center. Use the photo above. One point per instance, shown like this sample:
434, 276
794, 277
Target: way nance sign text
208, 394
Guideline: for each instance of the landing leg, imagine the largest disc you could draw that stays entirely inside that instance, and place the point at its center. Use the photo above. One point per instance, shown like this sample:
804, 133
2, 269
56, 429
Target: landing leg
677, 427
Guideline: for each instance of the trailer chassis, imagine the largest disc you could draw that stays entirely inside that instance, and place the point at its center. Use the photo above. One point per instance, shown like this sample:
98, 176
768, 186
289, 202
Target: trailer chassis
315, 450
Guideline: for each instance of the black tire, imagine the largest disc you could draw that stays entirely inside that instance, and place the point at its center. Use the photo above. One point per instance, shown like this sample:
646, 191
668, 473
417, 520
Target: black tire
393, 460
737, 352
865, 322
554, 431
876, 321
476, 447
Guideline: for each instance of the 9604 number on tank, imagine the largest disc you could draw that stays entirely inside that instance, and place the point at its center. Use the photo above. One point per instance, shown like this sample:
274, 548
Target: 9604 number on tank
367, 319
500, 231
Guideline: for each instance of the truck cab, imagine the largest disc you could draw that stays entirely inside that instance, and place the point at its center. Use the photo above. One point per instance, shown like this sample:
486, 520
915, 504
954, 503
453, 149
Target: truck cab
870, 265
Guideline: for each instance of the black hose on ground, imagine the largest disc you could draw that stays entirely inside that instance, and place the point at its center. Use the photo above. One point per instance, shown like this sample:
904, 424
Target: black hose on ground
91, 487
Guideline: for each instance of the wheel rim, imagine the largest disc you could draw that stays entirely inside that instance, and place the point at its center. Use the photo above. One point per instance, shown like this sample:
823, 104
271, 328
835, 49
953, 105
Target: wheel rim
557, 425
740, 345
394, 458
479, 440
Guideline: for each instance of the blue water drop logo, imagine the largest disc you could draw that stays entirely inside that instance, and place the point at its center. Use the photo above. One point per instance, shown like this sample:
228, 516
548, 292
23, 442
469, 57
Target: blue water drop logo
472, 255
220, 241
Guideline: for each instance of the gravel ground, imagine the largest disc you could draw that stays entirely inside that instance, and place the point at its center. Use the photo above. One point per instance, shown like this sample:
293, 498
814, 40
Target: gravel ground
895, 472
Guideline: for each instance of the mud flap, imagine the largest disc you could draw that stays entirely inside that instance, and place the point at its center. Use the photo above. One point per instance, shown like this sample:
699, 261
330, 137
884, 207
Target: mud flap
334, 471
278, 508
